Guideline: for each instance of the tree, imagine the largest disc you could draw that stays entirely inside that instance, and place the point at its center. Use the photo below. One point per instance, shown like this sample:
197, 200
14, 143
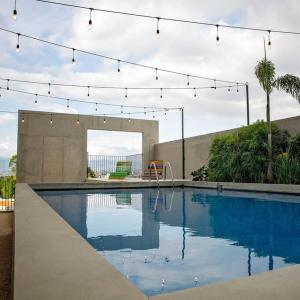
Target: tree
266, 75
13, 164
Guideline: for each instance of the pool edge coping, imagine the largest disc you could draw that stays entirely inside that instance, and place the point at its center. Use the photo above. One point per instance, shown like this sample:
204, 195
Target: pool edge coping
208, 292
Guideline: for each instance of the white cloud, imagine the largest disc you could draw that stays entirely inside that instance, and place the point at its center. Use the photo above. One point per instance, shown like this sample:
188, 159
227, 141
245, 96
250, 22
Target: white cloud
183, 47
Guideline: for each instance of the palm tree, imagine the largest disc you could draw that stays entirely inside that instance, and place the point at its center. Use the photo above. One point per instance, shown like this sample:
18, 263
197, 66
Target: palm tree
266, 75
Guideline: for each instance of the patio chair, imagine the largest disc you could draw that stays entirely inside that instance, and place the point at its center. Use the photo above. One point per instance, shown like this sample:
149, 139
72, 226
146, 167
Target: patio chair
123, 169
149, 173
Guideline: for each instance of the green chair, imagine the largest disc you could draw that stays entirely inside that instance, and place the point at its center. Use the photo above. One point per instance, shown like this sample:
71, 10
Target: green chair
123, 169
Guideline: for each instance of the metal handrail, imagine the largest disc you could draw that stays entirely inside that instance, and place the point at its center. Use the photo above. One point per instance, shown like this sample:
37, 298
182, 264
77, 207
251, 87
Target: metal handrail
165, 164
152, 163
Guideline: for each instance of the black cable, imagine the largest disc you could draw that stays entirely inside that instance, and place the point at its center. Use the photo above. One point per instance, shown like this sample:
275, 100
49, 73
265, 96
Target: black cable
116, 59
170, 19
115, 87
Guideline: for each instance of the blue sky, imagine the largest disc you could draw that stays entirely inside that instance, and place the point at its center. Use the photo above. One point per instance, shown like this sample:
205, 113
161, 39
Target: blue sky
183, 47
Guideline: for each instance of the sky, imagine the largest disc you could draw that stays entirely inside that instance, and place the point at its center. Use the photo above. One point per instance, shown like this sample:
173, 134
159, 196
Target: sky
190, 49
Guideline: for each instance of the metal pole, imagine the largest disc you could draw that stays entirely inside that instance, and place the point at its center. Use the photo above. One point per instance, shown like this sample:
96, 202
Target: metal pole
247, 99
182, 140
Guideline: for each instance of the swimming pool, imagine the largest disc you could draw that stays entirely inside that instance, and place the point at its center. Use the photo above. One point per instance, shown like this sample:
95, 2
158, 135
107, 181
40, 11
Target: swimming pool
171, 239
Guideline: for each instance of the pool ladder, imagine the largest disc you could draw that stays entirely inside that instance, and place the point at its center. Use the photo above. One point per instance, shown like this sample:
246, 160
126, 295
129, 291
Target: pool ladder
167, 163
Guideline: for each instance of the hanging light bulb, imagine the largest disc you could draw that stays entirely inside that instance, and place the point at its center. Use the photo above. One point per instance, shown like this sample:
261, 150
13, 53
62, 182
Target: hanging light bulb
104, 120
90, 20
68, 105
166, 111
51, 120
217, 37
122, 109
96, 108
129, 119
157, 28
269, 40
49, 92
229, 89
35, 100
18, 43
188, 80
161, 93
163, 282
215, 84
145, 111
14, 16
153, 114
119, 70
23, 120
237, 88
0, 90
73, 58
7, 84
77, 120
88, 94
126, 93
195, 95
156, 74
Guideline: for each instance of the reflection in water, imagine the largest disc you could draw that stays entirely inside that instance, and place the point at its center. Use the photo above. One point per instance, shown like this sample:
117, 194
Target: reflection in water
168, 240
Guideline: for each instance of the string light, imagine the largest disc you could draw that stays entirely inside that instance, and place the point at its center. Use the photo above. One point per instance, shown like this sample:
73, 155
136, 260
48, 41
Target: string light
7, 84
229, 90
153, 114
119, 70
195, 95
166, 111
145, 111
88, 94
90, 20
269, 39
129, 119
73, 58
161, 93
49, 91
23, 120
215, 84
188, 80
157, 28
36, 98
96, 108
156, 74
126, 93
51, 120
112, 58
217, 37
68, 103
237, 88
122, 109
0, 91
104, 120
14, 16
77, 120
18, 43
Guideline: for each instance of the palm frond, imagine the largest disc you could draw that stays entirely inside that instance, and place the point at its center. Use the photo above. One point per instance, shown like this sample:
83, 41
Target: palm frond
290, 84
265, 73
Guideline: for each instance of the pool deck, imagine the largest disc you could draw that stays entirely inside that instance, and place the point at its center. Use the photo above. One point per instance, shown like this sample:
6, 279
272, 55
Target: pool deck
52, 261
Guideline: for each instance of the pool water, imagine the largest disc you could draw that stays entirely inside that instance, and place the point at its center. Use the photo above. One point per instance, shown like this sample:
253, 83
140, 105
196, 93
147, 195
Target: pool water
172, 239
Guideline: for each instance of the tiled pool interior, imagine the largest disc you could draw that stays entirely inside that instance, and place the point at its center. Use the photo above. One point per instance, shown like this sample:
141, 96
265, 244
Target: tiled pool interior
172, 239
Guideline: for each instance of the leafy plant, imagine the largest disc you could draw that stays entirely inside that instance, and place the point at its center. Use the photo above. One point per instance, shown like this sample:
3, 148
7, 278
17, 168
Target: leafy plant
7, 186
243, 156
294, 147
91, 173
287, 170
200, 174
13, 164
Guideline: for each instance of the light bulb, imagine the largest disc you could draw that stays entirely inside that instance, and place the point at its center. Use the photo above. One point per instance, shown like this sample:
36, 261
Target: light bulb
90, 20
14, 16
18, 48
157, 29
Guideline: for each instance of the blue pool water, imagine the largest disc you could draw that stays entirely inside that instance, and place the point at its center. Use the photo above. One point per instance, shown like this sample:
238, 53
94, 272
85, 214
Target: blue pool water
169, 240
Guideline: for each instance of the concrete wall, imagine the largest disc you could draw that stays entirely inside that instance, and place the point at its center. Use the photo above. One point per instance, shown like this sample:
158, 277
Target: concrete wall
50, 153
197, 148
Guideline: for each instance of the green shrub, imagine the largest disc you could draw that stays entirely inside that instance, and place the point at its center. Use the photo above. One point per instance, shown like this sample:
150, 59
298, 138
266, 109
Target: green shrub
242, 156
91, 173
7, 187
200, 174
294, 147
287, 170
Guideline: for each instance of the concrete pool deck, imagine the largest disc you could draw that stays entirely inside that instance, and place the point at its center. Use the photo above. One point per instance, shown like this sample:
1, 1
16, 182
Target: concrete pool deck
52, 261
